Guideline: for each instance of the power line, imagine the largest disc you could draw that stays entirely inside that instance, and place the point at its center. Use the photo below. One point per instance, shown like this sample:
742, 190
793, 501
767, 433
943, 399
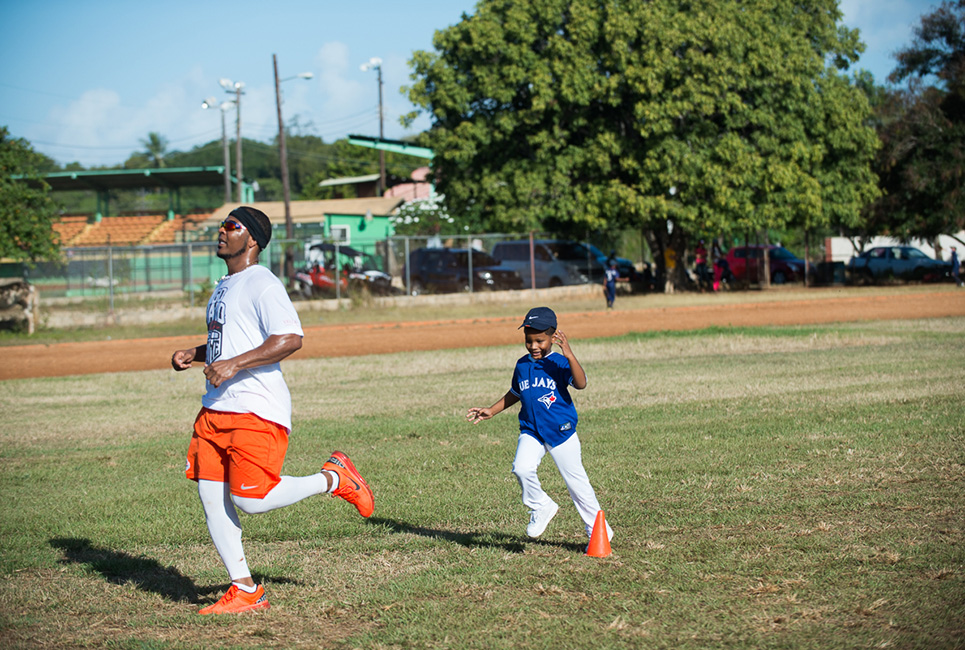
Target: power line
121, 147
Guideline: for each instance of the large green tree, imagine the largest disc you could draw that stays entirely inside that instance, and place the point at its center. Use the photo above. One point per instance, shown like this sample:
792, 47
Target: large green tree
677, 117
922, 127
27, 212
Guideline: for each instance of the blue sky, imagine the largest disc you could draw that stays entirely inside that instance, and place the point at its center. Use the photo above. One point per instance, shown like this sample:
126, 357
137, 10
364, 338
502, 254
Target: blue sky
86, 80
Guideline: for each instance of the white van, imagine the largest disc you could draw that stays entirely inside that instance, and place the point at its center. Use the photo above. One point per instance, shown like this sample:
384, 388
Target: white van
550, 271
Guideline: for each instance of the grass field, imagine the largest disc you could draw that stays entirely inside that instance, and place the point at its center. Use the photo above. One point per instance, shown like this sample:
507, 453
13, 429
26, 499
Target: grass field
769, 488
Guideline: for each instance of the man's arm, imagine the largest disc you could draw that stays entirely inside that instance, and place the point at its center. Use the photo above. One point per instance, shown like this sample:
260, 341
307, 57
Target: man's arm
275, 348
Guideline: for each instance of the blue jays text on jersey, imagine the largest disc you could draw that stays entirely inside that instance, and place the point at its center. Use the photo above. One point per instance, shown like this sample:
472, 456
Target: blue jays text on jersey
539, 382
547, 412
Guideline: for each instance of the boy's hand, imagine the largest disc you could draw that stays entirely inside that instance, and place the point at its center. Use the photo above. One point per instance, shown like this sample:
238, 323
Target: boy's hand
476, 414
579, 376
559, 338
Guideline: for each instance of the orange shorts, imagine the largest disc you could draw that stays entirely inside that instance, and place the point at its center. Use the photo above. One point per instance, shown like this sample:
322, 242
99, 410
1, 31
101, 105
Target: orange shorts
240, 449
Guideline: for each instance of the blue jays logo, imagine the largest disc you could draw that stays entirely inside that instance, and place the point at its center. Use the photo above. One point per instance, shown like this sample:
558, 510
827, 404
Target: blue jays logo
548, 399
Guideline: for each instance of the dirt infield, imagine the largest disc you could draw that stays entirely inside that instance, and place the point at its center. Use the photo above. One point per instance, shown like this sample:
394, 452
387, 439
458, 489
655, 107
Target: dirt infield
361, 339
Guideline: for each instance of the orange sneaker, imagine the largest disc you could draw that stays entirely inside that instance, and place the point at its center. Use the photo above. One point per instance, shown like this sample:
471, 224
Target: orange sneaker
351, 486
236, 601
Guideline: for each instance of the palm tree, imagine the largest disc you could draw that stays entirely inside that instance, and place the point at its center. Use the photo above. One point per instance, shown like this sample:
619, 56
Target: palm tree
155, 146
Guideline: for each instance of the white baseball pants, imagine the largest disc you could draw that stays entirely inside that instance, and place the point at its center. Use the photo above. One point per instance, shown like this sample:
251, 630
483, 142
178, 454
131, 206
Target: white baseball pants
569, 460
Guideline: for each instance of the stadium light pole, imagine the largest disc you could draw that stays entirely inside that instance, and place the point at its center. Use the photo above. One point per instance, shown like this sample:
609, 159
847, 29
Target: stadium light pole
211, 102
375, 63
236, 88
283, 157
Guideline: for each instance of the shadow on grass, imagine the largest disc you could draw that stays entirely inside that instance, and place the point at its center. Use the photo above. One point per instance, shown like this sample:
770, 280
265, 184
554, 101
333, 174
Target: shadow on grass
509, 543
149, 575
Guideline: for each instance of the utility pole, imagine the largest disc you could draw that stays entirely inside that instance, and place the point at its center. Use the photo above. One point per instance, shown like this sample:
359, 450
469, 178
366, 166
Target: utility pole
375, 63
211, 102
239, 182
237, 88
289, 265
285, 187
227, 160
381, 137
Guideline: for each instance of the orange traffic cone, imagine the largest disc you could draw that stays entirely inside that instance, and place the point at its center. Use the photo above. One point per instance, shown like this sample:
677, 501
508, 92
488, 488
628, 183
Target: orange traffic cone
599, 540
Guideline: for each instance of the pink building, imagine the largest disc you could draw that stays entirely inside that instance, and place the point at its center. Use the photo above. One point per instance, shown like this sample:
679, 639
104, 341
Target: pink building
419, 188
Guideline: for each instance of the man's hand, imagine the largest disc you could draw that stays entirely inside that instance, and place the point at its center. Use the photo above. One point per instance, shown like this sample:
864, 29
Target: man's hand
220, 371
275, 348
182, 359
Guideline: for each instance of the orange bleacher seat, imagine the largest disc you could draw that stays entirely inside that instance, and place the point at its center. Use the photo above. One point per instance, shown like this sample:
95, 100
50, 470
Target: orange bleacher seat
126, 230
165, 232
120, 231
68, 227
169, 232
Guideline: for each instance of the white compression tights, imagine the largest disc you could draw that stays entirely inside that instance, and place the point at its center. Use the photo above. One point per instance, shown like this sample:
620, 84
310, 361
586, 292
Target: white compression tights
222, 517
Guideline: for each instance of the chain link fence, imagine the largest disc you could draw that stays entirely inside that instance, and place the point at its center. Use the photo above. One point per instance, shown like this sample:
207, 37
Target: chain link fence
194, 267
98, 271
540, 261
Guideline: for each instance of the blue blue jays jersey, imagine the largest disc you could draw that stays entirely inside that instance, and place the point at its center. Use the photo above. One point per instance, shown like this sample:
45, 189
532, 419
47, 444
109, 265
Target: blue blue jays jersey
546, 409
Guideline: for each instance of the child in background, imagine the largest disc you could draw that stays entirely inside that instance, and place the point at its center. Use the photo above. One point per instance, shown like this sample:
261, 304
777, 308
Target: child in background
610, 283
547, 421
956, 265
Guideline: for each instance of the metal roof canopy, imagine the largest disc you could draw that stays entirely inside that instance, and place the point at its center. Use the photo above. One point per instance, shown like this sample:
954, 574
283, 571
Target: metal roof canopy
102, 181
393, 146
349, 180
111, 179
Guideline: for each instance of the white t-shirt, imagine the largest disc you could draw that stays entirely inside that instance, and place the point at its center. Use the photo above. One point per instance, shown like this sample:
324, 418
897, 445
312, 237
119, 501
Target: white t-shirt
245, 309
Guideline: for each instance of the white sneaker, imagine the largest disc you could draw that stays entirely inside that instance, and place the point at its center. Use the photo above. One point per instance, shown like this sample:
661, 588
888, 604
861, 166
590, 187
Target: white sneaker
540, 519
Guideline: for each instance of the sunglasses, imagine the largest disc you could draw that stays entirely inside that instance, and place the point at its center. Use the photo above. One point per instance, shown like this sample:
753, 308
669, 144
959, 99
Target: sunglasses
230, 226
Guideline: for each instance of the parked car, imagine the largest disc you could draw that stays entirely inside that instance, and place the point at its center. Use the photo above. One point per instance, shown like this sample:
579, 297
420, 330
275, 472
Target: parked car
590, 259
447, 270
354, 268
746, 264
900, 262
550, 269
581, 256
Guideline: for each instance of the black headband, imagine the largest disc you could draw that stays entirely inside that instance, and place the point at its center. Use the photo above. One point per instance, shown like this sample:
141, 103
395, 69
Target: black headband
254, 227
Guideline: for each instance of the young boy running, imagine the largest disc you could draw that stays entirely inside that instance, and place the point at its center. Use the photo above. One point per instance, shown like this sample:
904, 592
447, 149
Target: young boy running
547, 421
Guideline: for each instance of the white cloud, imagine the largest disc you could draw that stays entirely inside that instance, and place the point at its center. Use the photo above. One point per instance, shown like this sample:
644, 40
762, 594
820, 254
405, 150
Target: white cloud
346, 103
99, 128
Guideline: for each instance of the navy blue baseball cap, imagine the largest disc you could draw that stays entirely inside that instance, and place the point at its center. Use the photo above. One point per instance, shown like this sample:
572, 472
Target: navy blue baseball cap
539, 318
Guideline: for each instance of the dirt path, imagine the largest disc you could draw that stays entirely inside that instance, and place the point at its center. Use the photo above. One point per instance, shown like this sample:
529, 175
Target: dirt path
354, 340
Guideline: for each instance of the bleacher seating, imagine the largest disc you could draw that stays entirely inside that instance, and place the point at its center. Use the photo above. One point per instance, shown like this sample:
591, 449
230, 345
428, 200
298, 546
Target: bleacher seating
69, 227
119, 231
140, 230
172, 231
